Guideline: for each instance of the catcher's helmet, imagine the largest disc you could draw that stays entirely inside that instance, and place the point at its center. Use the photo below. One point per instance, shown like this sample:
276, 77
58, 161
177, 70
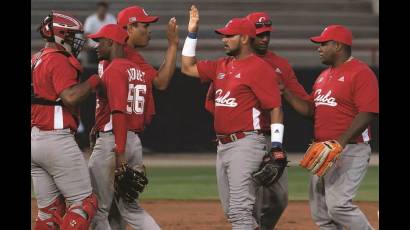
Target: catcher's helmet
62, 28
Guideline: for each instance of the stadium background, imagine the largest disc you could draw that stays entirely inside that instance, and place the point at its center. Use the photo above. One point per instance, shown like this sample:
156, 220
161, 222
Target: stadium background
181, 124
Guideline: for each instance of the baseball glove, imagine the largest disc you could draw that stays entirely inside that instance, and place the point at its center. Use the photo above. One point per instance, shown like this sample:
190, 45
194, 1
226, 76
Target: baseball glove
320, 156
129, 183
271, 168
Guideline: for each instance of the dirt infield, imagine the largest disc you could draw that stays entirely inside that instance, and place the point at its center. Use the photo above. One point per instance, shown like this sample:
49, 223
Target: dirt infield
207, 215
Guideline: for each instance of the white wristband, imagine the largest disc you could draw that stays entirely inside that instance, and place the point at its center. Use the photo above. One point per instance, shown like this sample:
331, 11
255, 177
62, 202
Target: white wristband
277, 132
189, 47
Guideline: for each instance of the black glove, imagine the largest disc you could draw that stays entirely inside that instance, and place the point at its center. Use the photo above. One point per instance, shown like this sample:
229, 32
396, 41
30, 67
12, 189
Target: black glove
129, 183
271, 168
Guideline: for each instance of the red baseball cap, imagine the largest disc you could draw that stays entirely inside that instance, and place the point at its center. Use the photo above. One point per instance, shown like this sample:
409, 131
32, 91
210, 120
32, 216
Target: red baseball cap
134, 14
111, 31
336, 33
262, 21
236, 26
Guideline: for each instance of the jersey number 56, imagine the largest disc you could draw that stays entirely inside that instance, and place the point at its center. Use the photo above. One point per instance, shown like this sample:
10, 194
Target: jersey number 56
136, 99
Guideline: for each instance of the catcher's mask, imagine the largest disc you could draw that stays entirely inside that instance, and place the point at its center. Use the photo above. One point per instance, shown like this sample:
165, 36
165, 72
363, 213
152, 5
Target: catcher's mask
63, 29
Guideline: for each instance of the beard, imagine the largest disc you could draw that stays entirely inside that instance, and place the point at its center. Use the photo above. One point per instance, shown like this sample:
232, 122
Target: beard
262, 50
233, 52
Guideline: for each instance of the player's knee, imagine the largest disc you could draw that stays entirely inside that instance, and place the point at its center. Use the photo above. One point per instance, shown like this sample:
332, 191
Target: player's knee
78, 217
337, 209
51, 216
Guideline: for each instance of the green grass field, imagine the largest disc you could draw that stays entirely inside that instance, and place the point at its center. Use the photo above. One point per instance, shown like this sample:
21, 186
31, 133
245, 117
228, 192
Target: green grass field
200, 183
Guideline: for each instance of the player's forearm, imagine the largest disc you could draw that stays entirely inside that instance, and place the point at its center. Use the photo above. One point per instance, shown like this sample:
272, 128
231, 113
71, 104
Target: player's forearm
276, 115
188, 60
167, 69
72, 96
359, 124
301, 106
119, 125
188, 66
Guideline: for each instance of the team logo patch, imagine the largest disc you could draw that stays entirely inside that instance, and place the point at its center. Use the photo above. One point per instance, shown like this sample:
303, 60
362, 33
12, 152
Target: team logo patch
238, 75
73, 223
342, 78
132, 19
220, 76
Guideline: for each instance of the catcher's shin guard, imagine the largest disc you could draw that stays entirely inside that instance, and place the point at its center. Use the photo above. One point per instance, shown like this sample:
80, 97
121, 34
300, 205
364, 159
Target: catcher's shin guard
75, 221
56, 210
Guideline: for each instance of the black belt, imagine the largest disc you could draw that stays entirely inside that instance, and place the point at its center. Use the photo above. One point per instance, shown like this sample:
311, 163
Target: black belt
97, 134
42, 101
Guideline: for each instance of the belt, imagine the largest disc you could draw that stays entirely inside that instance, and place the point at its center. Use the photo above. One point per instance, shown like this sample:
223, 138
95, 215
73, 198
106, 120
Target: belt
224, 139
53, 130
231, 137
97, 134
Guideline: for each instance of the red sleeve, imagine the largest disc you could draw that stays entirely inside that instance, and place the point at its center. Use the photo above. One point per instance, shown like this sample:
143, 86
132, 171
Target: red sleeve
116, 83
207, 70
366, 91
210, 99
291, 82
63, 74
119, 125
265, 87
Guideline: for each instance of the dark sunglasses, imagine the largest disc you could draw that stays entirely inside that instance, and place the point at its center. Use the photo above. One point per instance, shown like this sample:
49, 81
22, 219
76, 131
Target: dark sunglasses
262, 24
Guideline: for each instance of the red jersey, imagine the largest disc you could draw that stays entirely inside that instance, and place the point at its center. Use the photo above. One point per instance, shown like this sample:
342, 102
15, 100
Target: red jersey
243, 88
283, 71
339, 94
52, 74
148, 73
127, 91
286, 74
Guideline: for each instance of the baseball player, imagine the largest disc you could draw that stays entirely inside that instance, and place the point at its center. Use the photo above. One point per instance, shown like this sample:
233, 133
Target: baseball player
58, 168
119, 120
270, 201
136, 22
245, 85
343, 102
